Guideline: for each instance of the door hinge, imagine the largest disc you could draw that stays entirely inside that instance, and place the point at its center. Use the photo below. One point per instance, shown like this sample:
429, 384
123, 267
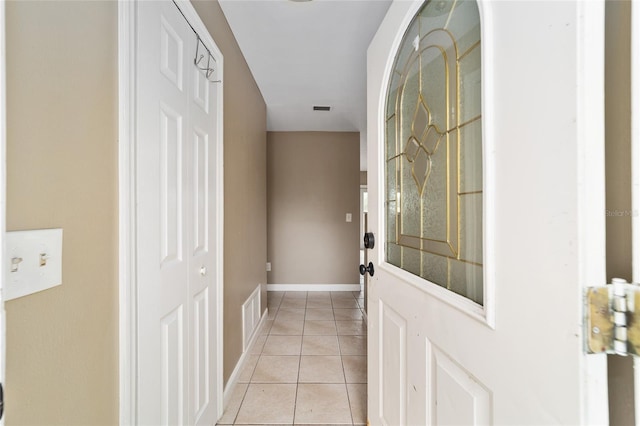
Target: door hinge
613, 319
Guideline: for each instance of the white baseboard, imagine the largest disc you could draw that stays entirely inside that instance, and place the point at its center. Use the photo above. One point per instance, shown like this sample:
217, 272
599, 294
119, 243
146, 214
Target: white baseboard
313, 287
233, 379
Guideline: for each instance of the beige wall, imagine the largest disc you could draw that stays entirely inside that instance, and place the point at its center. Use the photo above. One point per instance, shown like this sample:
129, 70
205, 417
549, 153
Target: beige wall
313, 181
62, 343
618, 186
245, 170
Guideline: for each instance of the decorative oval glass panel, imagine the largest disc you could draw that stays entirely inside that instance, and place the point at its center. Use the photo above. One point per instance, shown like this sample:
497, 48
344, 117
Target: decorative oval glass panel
434, 149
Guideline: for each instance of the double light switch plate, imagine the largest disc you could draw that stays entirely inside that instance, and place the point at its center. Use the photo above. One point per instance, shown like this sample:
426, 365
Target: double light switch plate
34, 261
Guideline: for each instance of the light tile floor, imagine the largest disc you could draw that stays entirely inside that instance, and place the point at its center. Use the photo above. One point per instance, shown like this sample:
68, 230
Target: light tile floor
307, 366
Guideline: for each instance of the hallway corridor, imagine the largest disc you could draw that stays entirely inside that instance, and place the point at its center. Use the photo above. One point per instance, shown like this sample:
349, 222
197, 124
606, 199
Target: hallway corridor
307, 366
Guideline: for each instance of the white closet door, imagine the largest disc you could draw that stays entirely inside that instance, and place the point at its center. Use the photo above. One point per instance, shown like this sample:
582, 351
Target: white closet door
201, 134
174, 162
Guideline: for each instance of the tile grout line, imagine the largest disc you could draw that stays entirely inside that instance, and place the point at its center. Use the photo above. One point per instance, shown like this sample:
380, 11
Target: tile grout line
244, 394
348, 394
343, 369
295, 399
306, 304
277, 310
235, 418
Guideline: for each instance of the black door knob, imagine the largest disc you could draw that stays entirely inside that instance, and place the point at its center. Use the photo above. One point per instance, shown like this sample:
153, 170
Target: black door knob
369, 240
365, 269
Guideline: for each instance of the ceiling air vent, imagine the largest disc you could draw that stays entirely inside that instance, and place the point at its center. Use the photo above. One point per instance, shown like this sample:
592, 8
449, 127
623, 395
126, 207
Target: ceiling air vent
321, 108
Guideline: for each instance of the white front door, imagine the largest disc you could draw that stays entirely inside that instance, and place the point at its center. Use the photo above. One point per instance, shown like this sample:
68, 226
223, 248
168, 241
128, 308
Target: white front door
176, 206
486, 183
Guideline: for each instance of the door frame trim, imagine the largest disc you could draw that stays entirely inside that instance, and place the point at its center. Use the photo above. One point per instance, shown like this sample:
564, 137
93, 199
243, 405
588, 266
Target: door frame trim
3, 193
126, 214
635, 173
591, 240
127, 57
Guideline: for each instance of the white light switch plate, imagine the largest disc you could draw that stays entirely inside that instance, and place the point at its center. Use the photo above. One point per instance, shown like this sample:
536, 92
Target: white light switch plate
35, 257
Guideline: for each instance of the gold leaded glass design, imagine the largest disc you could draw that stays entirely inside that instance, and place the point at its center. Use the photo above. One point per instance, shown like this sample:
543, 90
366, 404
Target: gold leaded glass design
434, 149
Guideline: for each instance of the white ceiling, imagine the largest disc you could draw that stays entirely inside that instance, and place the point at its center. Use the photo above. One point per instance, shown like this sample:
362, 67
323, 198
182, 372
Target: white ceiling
309, 53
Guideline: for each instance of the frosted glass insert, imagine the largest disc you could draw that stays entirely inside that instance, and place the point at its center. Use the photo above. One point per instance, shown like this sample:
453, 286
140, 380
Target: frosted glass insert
464, 24
434, 201
470, 234
466, 279
407, 51
470, 152
391, 136
470, 85
391, 215
434, 86
411, 260
434, 185
434, 15
394, 253
409, 201
392, 167
393, 94
435, 268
